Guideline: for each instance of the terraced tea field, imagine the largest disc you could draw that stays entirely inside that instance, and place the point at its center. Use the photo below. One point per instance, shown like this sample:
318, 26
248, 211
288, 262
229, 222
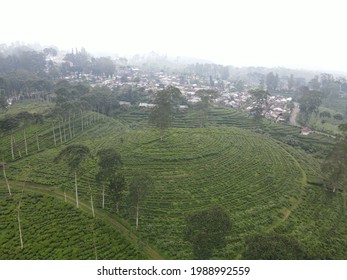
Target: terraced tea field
52, 229
259, 181
248, 174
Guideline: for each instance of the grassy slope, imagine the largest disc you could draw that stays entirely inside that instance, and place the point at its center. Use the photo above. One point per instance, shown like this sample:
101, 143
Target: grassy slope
260, 182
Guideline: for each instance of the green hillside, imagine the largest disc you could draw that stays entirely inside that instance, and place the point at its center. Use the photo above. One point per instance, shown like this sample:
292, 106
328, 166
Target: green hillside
52, 229
260, 181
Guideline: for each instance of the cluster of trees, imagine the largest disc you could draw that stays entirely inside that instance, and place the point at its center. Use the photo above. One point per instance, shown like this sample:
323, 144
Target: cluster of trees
73, 98
310, 101
28, 73
328, 84
334, 167
24, 71
26, 59
203, 107
3, 100
80, 62
166, 102
24, 118
109, 175
259, 99
272, 81
327, 115
215, 71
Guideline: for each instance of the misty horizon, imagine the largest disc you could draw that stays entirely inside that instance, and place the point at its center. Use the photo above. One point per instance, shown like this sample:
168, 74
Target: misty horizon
290, 34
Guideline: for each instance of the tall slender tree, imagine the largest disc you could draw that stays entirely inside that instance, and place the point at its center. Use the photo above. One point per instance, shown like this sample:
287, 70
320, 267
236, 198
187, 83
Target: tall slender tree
138, 189
116, 188
110, 163
73, 156
203, 106
18, 218
162, 114
259, 105
309, 103
4, 171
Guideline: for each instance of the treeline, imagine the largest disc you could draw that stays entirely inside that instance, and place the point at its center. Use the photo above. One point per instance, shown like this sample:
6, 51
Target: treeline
23, 118
25, 72
70, 97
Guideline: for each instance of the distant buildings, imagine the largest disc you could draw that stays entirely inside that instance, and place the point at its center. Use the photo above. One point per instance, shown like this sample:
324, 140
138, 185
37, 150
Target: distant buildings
189, 84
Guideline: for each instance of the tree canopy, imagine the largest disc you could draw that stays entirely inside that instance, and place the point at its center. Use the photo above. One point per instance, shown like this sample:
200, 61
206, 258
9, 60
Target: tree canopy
162, 114
73, 155
309, 103
259, 98
272, 246
109, 174
138, 189
334, 166
206, 231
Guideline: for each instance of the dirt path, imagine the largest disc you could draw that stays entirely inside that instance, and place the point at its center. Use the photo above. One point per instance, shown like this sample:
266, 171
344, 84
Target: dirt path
294, 114
114, 221
288, 211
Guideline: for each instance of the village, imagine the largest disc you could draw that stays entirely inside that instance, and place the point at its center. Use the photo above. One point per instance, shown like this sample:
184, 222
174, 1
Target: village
278, 107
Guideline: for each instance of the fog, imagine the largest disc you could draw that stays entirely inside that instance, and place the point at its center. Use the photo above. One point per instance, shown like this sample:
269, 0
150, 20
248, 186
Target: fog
289, 33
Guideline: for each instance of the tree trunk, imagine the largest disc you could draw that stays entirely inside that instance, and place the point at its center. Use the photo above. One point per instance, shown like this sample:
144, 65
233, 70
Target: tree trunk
61, 136
25, 143
92, 204
64, 131
103, 197
20, 232
19, 226
137, 216
70, 128
12, 153
95, 251
37, 142
65, 195
55, 140
76, 189
8, 185
82, 120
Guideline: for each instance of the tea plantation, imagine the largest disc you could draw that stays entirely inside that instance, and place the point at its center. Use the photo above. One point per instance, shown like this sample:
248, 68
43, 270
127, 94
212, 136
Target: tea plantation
261, 182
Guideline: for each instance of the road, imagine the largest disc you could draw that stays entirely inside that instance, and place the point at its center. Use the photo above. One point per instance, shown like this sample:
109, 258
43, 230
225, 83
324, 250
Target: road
293, 117
294, 114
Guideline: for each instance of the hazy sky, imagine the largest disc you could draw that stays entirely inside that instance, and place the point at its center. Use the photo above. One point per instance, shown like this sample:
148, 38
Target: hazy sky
290, 33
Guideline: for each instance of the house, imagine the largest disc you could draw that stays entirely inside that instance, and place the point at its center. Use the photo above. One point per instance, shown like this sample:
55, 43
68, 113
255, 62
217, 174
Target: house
305, 131
183, 108
194, 100
125, 104
146, 105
